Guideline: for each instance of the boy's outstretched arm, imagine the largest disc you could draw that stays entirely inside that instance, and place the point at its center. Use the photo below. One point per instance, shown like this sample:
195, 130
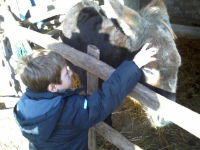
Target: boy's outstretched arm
101, 103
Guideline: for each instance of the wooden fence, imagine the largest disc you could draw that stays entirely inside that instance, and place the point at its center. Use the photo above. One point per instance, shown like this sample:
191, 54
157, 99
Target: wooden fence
141, 93
184, 118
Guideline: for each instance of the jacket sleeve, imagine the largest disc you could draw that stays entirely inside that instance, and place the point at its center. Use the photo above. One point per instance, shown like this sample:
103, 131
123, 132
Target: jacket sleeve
101, 103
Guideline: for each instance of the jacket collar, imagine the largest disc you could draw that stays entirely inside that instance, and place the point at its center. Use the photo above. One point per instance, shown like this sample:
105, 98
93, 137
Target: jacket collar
50, 95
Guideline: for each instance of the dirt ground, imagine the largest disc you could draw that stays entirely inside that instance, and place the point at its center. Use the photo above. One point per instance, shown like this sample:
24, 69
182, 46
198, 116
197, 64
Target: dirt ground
130, 119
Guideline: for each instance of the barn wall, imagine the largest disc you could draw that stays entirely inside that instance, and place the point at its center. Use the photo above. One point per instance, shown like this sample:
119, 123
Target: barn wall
184, 12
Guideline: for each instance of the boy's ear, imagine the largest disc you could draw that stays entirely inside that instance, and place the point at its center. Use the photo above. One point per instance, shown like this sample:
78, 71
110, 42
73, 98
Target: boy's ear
52, 88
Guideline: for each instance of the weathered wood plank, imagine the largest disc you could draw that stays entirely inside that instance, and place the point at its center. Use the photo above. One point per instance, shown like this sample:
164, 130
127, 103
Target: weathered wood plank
115, 137
92, 85
186, 31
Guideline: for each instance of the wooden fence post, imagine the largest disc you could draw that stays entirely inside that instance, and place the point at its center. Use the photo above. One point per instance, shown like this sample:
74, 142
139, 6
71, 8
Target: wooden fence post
92, 85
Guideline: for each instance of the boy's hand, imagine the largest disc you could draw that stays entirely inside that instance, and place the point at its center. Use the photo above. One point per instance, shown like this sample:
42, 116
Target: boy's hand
144, 56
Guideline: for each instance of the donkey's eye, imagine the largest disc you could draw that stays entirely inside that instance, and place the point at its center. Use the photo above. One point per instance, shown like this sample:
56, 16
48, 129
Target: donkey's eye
152, 76
147, 70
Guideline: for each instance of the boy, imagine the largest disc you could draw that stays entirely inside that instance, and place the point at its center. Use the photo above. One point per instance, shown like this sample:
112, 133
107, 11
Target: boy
52, 118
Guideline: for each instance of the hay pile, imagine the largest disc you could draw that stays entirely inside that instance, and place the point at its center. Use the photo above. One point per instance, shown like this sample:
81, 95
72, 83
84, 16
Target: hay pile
131, 120
75, 82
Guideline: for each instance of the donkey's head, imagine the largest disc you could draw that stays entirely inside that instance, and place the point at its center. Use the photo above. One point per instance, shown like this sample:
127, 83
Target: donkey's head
152, 25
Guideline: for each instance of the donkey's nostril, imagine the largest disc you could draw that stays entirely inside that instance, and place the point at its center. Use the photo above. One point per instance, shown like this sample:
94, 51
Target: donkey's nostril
147, 70
152, 76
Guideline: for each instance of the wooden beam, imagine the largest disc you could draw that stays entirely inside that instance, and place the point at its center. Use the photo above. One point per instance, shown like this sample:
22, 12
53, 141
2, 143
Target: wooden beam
186, 31
92, 85
115, 137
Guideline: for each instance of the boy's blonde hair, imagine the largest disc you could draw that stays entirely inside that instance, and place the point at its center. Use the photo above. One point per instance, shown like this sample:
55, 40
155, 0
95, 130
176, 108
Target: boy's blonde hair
41, 68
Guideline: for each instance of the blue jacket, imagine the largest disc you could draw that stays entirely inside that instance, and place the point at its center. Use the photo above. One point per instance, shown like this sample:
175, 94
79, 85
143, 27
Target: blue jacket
60, 121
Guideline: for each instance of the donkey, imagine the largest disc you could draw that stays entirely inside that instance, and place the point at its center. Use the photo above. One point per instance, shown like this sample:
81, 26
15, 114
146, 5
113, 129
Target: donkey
86, 23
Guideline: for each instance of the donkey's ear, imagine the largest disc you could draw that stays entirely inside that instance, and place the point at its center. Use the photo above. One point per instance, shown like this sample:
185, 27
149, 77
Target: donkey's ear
161, 4
129, 16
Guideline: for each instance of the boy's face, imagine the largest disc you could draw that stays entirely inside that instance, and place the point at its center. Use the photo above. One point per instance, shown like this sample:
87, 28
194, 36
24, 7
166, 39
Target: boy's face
66, 79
